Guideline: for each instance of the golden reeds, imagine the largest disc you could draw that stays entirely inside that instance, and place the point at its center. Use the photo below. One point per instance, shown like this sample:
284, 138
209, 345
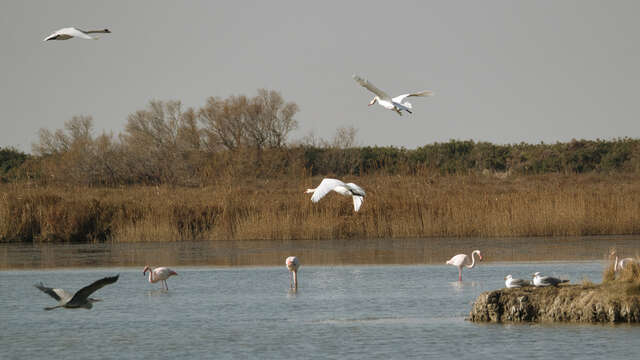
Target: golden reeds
395, 206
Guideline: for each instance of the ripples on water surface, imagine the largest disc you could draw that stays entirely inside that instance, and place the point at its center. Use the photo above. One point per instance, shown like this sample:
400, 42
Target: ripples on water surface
339, 312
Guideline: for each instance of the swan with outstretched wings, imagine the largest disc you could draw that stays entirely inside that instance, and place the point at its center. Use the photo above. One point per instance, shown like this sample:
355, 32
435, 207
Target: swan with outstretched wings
397, 104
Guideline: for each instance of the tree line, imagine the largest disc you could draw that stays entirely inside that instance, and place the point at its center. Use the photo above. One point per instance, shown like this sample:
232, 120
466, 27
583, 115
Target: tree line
248, 137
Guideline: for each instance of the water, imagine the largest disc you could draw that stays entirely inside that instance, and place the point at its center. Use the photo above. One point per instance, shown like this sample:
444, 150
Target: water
339, 312
314, 252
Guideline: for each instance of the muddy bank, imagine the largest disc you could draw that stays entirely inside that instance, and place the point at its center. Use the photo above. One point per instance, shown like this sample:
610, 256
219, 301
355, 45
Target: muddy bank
608, 303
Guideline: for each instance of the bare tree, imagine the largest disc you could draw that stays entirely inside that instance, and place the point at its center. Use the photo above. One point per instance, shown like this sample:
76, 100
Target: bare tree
344, 138
224, 122
156, 140
271, 119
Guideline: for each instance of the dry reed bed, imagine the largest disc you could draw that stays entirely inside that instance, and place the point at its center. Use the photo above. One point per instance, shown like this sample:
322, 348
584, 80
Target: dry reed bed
395, 206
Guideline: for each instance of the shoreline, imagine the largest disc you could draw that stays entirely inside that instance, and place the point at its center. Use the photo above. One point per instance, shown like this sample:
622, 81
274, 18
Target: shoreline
337, 252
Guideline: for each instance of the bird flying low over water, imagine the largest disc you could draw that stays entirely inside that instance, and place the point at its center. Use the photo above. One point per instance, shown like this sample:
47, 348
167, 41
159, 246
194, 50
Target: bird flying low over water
81, 298
397, 103
71, 32
539, 280
349, 189
510, 282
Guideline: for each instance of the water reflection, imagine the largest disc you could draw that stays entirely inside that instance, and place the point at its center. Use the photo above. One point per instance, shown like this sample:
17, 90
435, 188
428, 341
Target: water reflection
292, 293
459, 286
313, 252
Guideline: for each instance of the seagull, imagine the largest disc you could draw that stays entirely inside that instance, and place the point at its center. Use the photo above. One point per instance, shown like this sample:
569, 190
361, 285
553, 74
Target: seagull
461, 260
515, 283
71, 32
159, 274
293, 265
81, 298
397, 103
539, 280
349, 189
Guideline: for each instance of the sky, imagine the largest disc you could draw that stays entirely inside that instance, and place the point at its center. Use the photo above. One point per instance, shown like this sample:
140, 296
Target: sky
502, 71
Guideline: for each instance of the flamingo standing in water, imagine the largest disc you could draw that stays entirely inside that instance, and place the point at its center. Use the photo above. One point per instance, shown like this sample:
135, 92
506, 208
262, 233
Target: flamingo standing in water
461, 260
619, 264
159, 274
293, 264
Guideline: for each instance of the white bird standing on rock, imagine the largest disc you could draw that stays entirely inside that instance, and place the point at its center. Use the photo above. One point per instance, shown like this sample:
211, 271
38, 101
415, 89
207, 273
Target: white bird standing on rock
397, 103
539, 280
293, 265
159, 274
349, 189
71, 32
510, 282
461, 260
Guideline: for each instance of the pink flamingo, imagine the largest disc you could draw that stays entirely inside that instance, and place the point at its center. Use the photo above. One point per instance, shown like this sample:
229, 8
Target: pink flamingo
293, 264
159, 274
461, 260
619, 264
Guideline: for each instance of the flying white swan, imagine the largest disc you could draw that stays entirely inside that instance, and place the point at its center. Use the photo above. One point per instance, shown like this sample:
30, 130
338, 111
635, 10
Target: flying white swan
539, 280
510, 282
71, 32
461, 260
293, 264
80, 299
349, 189
397, 103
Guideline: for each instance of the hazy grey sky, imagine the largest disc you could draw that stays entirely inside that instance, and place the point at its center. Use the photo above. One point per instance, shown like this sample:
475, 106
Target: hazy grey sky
503, 71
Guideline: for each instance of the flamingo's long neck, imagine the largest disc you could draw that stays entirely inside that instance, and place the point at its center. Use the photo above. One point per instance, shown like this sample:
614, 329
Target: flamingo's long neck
615, 264
473, 260
151, 279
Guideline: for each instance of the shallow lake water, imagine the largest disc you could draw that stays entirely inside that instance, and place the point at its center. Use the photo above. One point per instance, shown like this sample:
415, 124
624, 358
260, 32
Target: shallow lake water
338, 312
351, 303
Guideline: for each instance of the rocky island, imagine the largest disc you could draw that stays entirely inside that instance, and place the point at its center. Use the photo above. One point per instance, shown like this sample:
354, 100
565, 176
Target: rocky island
616, 300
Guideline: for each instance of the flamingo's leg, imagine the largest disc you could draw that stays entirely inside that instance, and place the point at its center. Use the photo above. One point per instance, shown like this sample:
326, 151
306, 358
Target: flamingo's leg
459, 274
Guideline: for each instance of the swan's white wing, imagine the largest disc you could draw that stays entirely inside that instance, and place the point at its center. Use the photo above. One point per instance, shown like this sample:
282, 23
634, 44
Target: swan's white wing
355, 189
51, 36
79, 34
324, 188
357, 202
369, 86
400, 98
